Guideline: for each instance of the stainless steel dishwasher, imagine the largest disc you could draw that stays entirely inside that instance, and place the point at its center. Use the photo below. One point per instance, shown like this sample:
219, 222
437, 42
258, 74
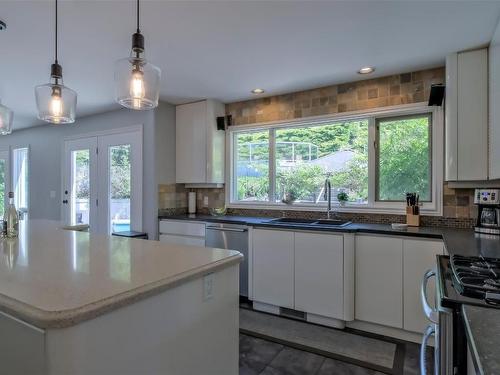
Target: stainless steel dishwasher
231, 237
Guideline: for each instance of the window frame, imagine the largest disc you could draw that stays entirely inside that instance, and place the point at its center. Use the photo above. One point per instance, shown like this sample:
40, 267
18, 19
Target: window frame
432, 208
377, 152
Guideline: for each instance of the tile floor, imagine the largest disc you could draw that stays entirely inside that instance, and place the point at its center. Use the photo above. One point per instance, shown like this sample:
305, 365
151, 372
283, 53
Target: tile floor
263, 357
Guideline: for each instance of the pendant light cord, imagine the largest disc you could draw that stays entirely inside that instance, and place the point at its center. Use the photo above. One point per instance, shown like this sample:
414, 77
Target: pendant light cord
56, 34
138, 10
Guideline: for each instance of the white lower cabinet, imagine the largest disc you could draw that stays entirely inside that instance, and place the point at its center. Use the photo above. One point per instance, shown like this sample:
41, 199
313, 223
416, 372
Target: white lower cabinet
181, 232
273, 267
379, 280
182, 240
299, 270
389, 272
22, 347
319, 275
418, 257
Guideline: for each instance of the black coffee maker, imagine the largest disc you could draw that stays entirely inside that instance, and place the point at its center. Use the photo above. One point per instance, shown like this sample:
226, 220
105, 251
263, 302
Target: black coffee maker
488, 218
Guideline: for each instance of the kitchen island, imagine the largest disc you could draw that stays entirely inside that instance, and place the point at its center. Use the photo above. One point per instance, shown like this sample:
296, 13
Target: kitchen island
78, 303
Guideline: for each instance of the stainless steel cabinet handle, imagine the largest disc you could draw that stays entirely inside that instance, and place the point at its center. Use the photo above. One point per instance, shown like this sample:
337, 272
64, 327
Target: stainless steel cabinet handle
430, 313
227, 229
430, 330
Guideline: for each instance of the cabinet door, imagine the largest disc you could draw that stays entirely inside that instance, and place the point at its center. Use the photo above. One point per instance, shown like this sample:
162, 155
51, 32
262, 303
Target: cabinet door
472, 91
418, 257
182, 240
494, 108
191, 143
273, 267
319, 274
379, 280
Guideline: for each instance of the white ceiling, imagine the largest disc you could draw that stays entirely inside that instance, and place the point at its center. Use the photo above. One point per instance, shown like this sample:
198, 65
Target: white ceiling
223, 49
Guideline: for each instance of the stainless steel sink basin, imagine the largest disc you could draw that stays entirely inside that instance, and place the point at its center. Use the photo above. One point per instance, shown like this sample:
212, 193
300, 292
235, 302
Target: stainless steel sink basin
333, 222
290, 220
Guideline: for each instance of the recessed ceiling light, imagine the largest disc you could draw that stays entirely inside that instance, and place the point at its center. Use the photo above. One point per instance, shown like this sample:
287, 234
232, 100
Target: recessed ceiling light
366, 70
258, 91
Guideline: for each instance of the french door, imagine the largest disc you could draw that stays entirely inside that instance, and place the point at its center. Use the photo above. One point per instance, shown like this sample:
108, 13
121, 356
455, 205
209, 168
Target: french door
4, 180
102, 182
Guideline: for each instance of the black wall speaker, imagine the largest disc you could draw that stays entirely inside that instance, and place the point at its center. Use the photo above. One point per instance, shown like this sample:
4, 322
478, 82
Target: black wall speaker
437, 94
223, 122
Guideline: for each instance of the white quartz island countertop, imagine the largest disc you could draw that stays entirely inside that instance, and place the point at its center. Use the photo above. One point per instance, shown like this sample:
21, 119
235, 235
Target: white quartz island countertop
55, 278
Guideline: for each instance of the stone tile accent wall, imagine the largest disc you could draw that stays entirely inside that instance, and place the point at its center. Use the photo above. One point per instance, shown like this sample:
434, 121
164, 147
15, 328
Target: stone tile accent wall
371, 93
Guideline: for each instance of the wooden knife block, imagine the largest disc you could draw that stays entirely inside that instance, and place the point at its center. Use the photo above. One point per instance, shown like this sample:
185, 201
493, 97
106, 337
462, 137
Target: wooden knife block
411, 219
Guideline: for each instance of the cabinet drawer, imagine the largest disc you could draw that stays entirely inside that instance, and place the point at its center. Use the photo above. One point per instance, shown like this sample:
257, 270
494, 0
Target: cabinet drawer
183, 228
182, 240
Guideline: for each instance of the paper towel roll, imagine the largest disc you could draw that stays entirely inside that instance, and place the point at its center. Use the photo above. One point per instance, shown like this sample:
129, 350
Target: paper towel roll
192, 202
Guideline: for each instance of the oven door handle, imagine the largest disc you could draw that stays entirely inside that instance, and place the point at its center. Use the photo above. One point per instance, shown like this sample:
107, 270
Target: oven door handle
429, 331
429, 312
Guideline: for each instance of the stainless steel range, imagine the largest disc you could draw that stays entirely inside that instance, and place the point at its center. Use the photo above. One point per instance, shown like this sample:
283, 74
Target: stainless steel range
472, 280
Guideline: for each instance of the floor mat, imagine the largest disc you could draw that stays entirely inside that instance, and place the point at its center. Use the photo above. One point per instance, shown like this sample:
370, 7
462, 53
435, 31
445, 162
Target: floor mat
365, 351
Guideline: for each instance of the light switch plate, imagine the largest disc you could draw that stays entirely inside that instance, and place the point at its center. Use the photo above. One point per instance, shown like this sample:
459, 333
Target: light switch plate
208, 287
205, 201
52, 194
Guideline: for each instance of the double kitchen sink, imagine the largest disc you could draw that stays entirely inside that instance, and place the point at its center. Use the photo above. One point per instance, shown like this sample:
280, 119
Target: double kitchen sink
310, 222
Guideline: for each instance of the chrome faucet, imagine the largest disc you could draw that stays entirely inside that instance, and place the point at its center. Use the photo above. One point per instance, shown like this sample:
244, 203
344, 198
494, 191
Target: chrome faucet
328, 196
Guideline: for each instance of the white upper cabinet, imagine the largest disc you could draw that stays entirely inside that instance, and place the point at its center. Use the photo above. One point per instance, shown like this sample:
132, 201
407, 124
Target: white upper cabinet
494, 108
467, 116
200, 147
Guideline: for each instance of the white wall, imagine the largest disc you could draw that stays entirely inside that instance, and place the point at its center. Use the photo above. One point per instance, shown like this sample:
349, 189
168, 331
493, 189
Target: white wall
46, 144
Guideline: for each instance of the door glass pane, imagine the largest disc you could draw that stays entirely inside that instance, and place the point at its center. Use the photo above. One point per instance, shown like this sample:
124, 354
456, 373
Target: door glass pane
3, 166
80, 186
119, 180
20, 178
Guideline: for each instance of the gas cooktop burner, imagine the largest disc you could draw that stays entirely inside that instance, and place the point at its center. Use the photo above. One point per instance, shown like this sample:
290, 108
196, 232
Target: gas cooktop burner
477, 275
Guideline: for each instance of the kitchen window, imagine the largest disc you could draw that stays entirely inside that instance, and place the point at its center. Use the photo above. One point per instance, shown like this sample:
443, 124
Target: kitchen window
375, 157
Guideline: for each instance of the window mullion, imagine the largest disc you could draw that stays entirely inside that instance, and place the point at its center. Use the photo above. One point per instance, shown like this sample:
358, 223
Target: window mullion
272, 165
372, 168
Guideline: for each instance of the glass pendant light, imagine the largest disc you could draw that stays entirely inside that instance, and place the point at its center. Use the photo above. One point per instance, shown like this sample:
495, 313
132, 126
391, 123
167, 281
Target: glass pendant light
56, 103
6, 117
137, 80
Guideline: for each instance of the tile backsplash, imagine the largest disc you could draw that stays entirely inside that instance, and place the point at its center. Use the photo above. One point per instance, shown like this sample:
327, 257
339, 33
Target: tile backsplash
413, 87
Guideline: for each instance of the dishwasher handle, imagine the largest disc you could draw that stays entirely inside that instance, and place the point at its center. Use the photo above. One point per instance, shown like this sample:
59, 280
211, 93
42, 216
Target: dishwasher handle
240, 230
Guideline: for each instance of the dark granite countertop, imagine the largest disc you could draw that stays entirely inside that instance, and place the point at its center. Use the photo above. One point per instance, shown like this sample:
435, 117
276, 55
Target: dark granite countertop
457, 241
483, 335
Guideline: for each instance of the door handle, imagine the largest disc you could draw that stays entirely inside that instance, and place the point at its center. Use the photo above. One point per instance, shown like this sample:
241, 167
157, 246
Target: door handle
430, 330
65, 201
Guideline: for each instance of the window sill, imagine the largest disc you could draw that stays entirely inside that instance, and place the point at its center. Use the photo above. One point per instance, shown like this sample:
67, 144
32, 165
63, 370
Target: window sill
322, 208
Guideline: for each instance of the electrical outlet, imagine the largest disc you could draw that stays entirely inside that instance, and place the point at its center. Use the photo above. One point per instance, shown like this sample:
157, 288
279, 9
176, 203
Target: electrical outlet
208, 287
205, 201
